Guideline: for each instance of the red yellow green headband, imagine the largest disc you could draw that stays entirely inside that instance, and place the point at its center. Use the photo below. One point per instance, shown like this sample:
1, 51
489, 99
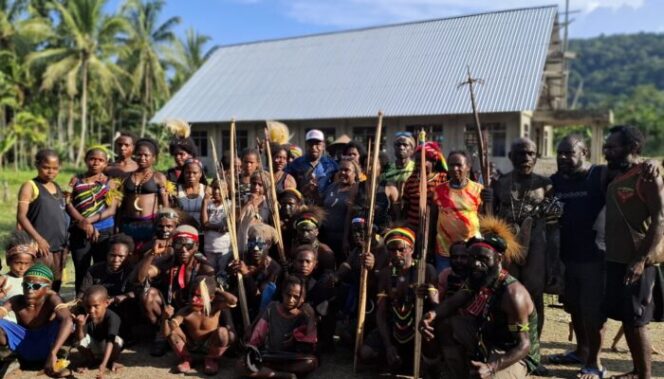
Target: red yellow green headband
404, 234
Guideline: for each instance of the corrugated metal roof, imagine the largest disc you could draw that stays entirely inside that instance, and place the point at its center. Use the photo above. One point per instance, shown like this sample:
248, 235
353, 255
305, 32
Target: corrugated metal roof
405, 70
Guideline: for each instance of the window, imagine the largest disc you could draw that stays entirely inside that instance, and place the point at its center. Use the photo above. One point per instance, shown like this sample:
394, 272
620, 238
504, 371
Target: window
362, 135
434, 132
200, 138
495, 137
241, 143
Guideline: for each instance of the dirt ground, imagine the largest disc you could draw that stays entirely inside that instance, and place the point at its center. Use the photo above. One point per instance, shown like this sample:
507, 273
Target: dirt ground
140, 365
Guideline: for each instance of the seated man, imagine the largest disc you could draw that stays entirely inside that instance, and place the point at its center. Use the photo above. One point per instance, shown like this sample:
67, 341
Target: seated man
488, 329
171, 278
41, 329
393, 340
260, 271
202, 326
285, 334
98, 332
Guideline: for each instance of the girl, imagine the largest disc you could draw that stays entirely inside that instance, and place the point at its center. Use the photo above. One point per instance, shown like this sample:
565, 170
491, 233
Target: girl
143, 192
337, 202
256, 209
217, 241
21, 252
282, 180
41, 213
191, 189
124, 165
250, 162
94, 200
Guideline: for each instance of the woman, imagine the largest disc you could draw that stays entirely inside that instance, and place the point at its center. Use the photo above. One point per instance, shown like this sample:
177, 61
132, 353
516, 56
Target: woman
282, 180
217, 241
181, 148
191, 189
124, 165
41, 213
458, 202
337, 201
355, 152
144, 191
256, 208
94, 200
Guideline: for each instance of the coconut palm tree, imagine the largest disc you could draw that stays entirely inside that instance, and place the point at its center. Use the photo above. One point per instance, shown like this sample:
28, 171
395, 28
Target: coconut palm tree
87, 41
187, 55
146, 39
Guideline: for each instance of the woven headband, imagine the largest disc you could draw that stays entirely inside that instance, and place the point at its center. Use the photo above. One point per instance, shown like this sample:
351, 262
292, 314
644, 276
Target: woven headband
30, 249
402, 234
39, 270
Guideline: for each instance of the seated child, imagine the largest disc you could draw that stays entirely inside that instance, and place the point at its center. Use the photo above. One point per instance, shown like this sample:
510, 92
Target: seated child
41, 329
21, 251
285, 334
98, 332
202, 326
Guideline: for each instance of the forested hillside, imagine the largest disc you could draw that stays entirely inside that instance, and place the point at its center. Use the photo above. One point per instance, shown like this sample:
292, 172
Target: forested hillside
624, 73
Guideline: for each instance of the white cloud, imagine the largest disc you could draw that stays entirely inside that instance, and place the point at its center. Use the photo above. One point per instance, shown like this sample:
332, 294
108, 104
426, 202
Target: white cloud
353, 13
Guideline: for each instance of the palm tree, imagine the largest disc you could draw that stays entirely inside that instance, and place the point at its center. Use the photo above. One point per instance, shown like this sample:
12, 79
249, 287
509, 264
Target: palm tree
89, 39
146, 39
187, 56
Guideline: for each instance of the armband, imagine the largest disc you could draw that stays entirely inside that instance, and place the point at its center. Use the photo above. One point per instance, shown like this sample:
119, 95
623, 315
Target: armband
518, 328
382, 294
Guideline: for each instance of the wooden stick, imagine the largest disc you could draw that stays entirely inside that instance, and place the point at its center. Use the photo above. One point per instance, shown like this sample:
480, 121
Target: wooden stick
364, 273
422, 262
483, 152
273, 202
244, 309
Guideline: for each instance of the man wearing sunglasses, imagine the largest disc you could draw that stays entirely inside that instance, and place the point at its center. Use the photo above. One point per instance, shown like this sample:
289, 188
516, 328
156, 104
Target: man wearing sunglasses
41, 329
171, 279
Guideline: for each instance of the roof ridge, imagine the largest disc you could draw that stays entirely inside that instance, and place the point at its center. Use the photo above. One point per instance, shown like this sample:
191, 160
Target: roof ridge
385, 26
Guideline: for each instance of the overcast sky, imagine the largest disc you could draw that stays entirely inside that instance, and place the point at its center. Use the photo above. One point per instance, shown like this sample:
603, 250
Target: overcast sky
235, 21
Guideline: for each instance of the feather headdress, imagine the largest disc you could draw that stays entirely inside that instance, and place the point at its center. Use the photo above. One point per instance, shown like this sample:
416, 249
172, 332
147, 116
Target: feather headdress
278, 132
205, 296
179, 128
313, 214
491, 226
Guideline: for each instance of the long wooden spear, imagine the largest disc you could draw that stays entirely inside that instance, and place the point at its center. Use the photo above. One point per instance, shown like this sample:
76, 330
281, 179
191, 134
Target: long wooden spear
273, 202
231, 222
364, 273
423, 238
483, 152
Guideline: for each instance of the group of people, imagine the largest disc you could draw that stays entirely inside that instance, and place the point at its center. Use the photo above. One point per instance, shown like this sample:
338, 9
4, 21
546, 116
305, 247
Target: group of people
200, 268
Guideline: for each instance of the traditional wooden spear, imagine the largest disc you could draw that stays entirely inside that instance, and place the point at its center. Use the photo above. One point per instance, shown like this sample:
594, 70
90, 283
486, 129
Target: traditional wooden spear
273, 202
231, 221
364, 273
483, 152
423, 237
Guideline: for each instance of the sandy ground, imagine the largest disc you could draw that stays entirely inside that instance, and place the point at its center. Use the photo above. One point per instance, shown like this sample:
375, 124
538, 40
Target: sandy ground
140, 365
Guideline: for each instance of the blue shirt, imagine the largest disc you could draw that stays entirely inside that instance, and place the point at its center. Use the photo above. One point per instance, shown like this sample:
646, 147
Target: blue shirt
302, 170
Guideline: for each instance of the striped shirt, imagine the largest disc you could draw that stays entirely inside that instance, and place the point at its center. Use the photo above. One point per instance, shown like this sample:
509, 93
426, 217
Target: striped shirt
411, 194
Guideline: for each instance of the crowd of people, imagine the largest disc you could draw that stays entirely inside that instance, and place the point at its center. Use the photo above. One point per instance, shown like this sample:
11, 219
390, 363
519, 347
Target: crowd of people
199, 267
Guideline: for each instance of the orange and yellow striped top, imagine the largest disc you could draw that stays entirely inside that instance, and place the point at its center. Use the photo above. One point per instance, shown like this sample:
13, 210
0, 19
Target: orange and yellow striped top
458, 218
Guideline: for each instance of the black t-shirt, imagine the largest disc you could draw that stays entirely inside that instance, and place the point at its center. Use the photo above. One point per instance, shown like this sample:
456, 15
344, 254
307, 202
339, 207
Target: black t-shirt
107, 329
115, 282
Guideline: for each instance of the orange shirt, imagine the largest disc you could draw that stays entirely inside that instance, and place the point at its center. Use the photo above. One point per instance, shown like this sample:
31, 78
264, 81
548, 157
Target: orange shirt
457, 214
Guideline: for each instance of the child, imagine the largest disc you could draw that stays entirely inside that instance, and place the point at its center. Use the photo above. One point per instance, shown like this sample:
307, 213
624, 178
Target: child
204, 325
285, 334
98, 332
42, 327
217, 241
21, 252
41, 213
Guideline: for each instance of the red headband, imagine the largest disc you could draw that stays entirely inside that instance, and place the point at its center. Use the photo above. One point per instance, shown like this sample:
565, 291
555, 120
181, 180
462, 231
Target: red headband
186, 235
485, 245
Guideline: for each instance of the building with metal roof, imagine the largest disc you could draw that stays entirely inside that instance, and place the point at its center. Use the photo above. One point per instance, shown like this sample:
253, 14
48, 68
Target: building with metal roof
337, 82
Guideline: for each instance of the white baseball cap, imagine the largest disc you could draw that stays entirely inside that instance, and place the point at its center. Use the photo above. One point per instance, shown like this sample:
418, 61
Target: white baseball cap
314, 134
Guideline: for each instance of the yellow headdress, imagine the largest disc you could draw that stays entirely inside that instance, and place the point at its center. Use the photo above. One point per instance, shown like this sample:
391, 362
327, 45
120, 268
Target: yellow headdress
492, 227
179, 128
278, 132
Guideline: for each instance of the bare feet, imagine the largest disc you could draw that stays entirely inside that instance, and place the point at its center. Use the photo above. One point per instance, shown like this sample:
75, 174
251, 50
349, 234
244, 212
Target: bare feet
627, 375
116, 367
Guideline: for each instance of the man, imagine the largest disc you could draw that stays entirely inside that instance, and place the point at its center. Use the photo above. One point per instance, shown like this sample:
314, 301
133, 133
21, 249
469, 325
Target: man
634, 233
124, 165
525, 200
578, 185
403, 167
172, 277
314, 171
488, 330
393, 340
42, 327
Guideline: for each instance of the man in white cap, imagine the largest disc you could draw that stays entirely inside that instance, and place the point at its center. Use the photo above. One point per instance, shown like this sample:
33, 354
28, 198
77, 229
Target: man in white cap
314, 171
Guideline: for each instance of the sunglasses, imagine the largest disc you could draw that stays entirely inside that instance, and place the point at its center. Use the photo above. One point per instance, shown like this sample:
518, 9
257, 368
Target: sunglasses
33, 286
187, 244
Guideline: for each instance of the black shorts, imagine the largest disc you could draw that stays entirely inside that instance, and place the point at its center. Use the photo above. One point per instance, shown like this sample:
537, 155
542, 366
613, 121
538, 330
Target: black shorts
633, 304
584, 289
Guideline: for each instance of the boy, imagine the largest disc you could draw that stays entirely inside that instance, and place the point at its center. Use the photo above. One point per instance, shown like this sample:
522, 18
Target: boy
41, 329
98, 332
21, 251
197, 326
285, 334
